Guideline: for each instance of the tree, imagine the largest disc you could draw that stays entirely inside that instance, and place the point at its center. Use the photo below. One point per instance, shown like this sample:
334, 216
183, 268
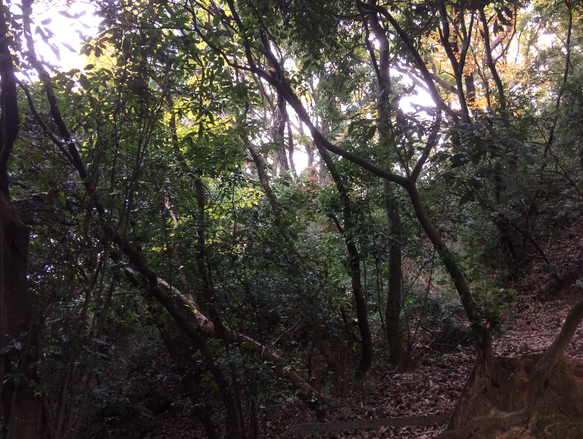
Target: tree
146, 169
497, 100
21, 408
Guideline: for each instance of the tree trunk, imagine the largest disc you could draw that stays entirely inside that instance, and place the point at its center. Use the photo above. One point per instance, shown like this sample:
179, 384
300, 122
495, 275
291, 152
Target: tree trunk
21, 409
235, 422
264, 180
181, 355
393, 305
530, 397
280, 122
386, 138
328, 356
354, 262
453, 269
291, 148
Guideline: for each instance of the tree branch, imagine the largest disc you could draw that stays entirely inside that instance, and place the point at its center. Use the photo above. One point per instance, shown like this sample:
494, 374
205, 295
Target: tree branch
281, 367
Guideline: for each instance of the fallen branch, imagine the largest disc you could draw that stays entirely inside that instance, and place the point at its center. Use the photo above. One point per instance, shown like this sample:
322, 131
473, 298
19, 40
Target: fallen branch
279, 365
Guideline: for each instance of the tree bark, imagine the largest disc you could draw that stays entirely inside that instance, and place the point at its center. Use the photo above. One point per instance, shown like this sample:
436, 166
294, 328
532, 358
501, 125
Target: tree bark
457, 58
235, 421
207, 327
181, 355
393, 304
526, 392
366, 355
357, 289
490, 59
452, 267
264, 180
280, 123
21, 410
328, 356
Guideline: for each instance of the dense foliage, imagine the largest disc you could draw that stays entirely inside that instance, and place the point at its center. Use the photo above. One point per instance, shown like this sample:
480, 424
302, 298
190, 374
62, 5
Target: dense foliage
170, 216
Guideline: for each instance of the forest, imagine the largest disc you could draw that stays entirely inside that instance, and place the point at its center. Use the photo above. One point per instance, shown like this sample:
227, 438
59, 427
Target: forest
292, 218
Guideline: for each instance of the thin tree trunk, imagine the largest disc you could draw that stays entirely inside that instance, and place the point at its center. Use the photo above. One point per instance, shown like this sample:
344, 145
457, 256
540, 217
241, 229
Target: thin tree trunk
280, 117
457, 58
490, 59
264, 180
290, 147
357, 290
393, 304
456, 274
328, 356
235, 422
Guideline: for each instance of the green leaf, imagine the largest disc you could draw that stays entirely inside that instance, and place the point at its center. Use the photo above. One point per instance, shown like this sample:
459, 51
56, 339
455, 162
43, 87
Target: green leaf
467, 197
370, 133
85, 83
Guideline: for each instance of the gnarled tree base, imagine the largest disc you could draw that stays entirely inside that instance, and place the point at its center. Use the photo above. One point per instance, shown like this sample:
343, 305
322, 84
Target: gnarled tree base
493, 403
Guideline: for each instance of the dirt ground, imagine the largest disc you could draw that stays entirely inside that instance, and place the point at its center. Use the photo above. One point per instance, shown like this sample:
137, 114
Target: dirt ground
434, 386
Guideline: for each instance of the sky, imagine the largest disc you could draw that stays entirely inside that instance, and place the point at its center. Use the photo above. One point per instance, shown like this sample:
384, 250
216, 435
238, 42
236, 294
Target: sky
64, 27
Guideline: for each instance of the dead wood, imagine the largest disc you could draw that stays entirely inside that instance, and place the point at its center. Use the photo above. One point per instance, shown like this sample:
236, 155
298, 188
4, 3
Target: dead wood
279, 365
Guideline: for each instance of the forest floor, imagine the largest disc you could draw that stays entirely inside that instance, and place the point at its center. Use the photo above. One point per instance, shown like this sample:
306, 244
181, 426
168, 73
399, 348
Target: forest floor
529, 326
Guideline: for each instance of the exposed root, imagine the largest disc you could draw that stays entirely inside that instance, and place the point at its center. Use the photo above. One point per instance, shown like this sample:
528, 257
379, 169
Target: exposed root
493, 385
482, 424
